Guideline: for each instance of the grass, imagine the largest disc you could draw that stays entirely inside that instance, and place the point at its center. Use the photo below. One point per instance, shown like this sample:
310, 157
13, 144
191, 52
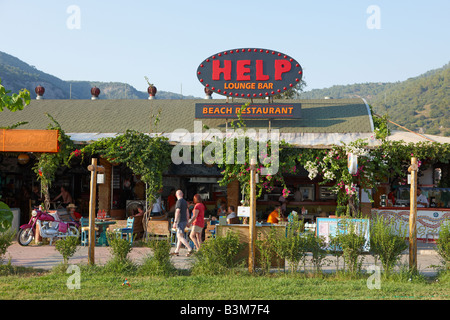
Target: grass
98, 283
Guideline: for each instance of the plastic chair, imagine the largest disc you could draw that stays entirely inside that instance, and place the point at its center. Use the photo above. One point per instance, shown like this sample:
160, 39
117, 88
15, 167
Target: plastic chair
128, 230
85, 231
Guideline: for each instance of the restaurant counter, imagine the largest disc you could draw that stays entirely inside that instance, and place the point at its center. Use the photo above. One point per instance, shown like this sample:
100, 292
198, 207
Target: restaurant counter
429, 220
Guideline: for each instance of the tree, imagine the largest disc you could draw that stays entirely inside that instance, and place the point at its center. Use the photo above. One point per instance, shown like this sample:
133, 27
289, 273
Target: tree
14, 101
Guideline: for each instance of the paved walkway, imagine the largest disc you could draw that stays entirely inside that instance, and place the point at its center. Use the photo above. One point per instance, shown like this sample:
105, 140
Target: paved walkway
46, 256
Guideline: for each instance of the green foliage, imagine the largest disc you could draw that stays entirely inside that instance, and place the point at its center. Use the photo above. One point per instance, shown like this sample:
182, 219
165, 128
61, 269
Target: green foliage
48, 163
443, 243
146, 156
217, 255
14, 101
385, 243
6, 239
352, 244
267, 250
294, 246
119, 247
67, 247
6, 217
316, 245
159, 263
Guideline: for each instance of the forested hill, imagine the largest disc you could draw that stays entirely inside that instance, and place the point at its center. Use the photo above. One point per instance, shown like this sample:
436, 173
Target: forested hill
16, 74
421, 103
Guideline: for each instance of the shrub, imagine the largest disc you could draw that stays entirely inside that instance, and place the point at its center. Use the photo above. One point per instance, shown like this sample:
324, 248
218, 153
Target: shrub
334, 248
67, 247
294, 246
316, 245
159, 263
352, 245
443, 243
218, 255
267, 250
6, 239
119, 249
385, 244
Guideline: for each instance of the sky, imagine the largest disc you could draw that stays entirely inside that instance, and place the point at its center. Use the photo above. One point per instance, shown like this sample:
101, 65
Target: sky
336, 42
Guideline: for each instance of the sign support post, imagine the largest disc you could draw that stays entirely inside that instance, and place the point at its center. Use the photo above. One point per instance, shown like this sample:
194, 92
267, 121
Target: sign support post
413, 215
92, 199
252, 218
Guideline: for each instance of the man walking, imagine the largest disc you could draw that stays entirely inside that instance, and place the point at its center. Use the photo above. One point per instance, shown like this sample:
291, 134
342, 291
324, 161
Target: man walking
180, 222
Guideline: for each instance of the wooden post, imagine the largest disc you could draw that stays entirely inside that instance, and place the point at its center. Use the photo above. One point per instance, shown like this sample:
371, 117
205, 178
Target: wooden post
92, 199
413, 215
252, 220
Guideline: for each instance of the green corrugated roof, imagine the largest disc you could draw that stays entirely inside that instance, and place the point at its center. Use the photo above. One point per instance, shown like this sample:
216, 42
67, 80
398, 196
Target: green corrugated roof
115, 116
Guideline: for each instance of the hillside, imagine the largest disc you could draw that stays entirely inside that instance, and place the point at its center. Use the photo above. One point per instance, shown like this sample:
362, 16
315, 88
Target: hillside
421, 103
16, 74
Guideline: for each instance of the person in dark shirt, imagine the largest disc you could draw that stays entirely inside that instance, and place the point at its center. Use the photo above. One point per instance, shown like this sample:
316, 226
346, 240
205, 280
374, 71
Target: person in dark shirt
180, 223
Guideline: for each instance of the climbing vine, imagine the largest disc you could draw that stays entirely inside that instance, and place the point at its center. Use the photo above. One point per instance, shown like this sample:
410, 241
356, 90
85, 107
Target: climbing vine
146, 156
48, 163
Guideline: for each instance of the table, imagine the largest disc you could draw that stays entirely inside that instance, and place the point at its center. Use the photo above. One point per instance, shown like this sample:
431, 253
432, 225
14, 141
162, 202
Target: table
103, 225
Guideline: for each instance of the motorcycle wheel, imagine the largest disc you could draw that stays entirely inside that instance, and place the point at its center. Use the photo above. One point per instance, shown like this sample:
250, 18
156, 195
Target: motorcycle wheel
25, 236
73, 231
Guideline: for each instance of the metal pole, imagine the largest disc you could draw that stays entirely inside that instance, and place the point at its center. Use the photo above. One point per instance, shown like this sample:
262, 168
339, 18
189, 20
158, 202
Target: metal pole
413, 216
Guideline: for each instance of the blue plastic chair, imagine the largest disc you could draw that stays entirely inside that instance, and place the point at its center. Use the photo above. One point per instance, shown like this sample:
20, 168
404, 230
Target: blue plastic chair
128, 230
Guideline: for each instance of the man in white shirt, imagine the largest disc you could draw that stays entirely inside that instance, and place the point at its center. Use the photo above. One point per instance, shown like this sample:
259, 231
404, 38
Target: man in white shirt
422, 201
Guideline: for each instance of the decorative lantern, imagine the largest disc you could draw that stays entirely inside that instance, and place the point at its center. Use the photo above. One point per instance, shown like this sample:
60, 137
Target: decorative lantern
151, 92
23, 158
95, 93
39, 92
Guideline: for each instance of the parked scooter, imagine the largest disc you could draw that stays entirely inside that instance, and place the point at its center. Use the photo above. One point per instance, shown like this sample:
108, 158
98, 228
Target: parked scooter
49, 227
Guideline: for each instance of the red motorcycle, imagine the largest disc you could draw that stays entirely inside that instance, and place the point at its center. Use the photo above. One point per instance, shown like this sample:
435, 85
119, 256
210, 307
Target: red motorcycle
50, 226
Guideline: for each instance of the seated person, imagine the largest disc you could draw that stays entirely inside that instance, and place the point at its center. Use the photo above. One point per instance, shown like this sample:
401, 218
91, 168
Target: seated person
75, 216
138, 212
422, 200
66, 197
232, 217
222, 211
274, 216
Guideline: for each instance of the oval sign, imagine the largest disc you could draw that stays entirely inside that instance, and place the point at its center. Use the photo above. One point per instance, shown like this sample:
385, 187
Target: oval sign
249, 73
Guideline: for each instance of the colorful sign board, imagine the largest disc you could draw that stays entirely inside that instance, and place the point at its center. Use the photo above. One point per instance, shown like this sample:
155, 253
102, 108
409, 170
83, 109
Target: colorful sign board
20, 140
249, 73
252, 111
331, 227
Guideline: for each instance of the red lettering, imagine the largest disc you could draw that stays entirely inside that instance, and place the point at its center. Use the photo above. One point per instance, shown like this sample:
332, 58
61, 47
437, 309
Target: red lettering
241, 70
217, 70
281, 66
260, 76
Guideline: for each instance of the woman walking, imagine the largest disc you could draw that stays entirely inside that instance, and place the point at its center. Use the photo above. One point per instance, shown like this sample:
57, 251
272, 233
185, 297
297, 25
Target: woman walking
197, 221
